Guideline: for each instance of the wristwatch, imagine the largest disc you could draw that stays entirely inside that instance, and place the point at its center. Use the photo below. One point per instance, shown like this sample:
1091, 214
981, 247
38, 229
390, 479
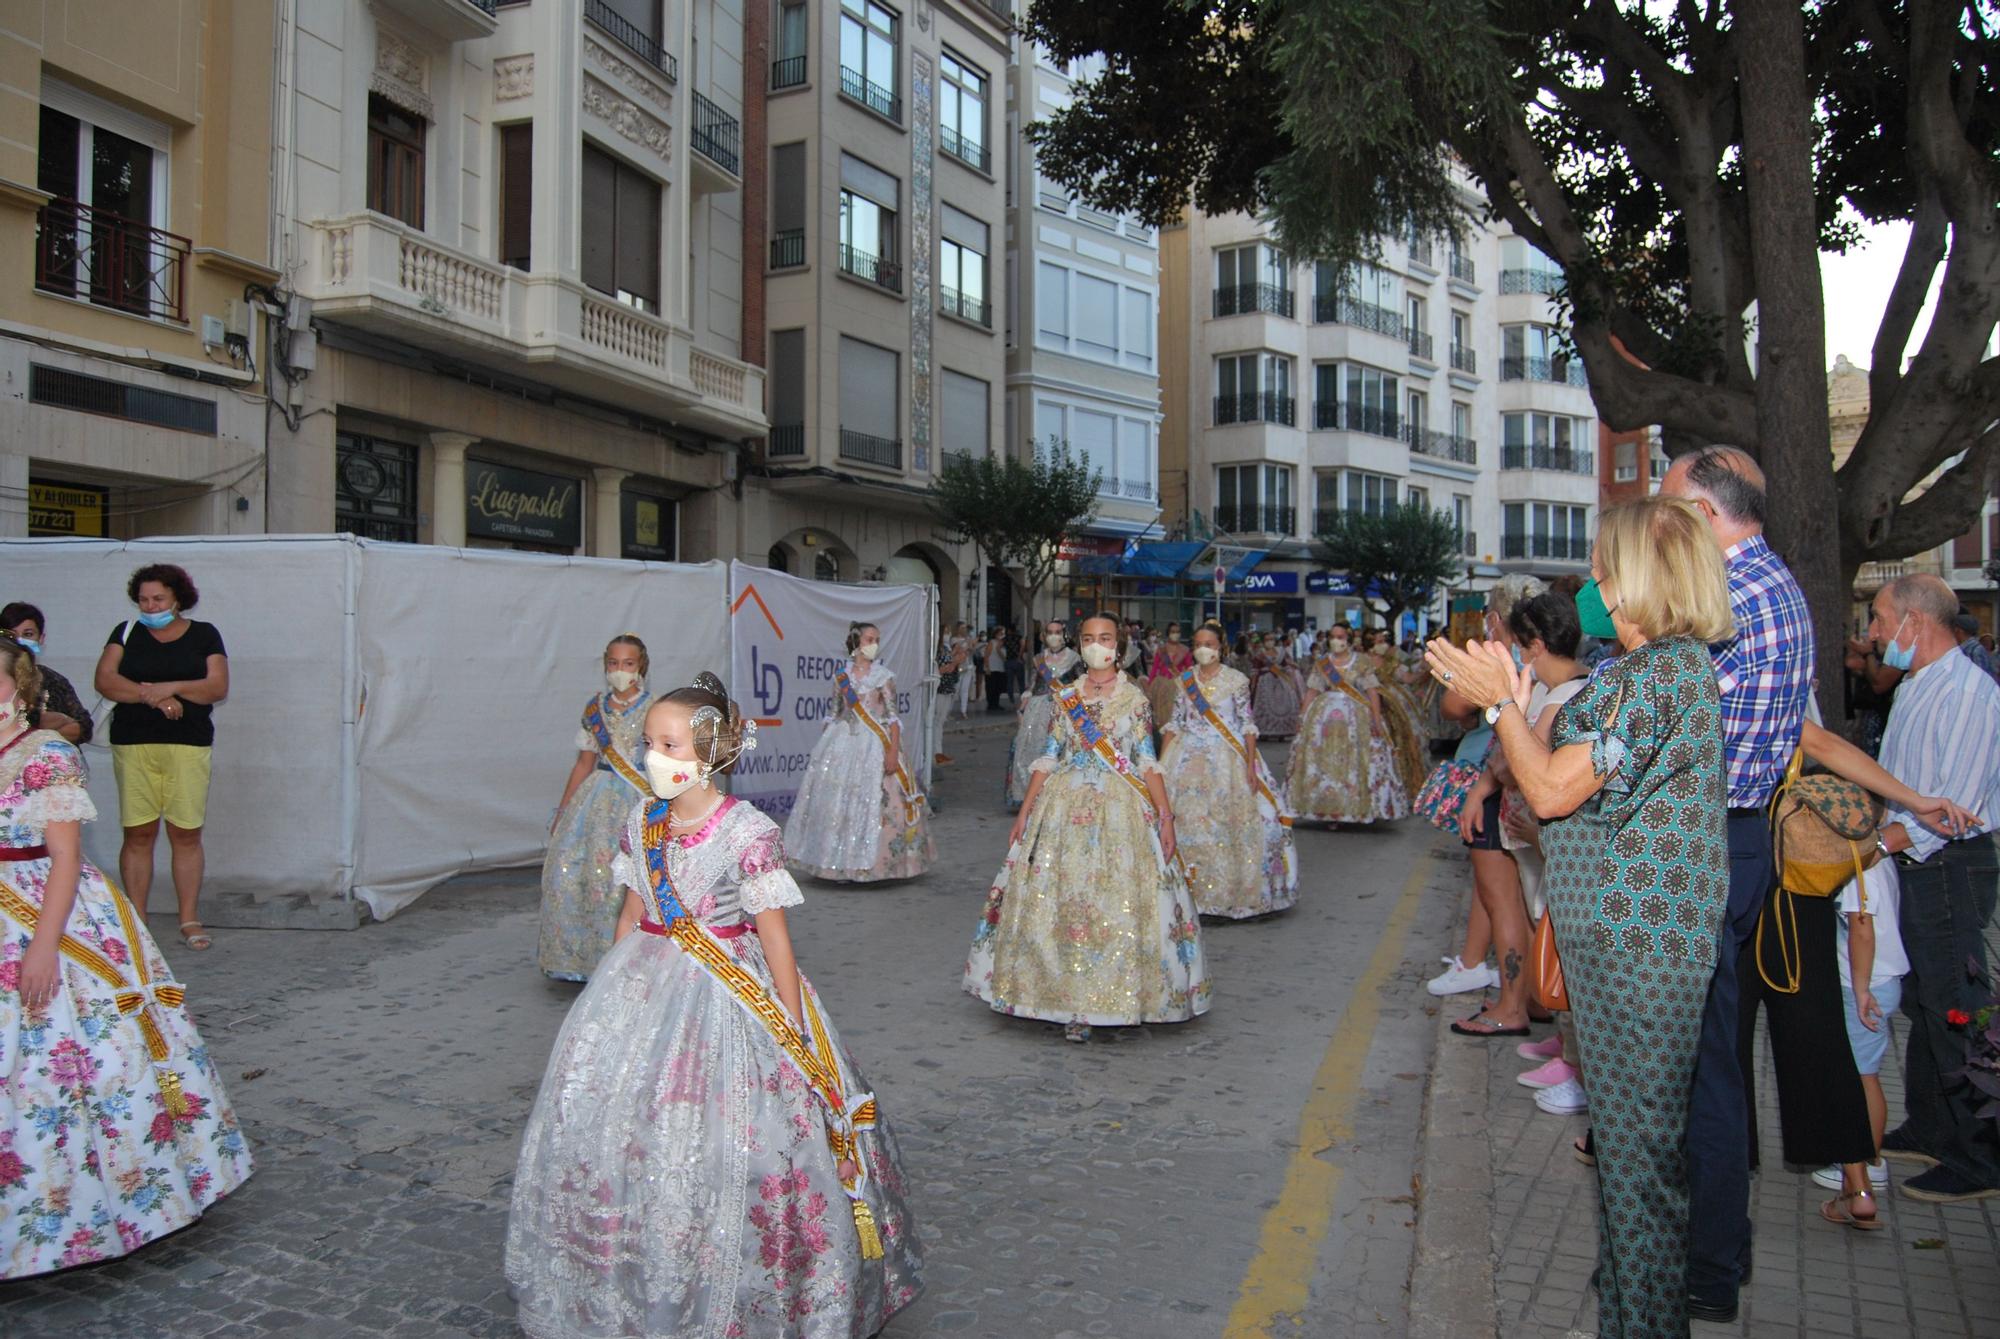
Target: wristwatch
1882, 845
1493, 712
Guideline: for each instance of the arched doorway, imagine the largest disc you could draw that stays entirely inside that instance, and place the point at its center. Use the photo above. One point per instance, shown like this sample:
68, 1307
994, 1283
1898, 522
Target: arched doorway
779, 559
826, 567
927, 565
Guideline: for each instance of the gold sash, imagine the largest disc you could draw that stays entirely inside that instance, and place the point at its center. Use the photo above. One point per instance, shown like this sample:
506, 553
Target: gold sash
1207, 710
913, 799
142, 1000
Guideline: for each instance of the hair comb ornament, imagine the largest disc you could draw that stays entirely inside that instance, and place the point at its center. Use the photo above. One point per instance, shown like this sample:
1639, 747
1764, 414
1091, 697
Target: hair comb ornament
708, 683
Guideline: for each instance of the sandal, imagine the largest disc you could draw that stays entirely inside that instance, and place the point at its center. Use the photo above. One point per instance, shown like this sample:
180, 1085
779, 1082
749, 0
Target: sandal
1478, 1026
198, 939
1585, 1148
1840, 1210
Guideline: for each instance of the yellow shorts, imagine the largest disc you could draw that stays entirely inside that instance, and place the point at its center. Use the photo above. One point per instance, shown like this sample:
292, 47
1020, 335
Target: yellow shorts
158, 781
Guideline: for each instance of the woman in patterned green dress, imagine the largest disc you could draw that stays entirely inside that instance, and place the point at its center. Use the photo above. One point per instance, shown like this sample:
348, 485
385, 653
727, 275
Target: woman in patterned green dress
1633, 793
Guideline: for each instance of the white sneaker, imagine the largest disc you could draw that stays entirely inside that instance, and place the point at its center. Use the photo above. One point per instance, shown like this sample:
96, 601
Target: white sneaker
1458, 979
1829, 1177
1564, 1099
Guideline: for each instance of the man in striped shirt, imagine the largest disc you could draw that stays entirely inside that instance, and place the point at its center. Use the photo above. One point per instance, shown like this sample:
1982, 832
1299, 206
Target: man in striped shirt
1943, 738
1765, 674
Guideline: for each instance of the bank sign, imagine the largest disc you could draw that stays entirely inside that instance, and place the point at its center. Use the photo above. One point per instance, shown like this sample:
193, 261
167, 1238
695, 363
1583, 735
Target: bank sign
1265, 583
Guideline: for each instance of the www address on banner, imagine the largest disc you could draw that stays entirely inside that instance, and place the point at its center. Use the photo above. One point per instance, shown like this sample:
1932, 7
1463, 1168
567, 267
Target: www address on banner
772, 764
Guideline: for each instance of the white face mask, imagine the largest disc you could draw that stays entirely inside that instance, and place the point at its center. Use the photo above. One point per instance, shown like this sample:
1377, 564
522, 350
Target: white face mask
1097, 655
1054, 641
1206, 655
670, 776
868, 650
621, 681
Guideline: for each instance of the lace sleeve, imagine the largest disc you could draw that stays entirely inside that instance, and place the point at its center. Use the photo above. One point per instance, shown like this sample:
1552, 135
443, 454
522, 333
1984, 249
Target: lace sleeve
628, 867
585, 742
53, 783
770, 890
1143, 756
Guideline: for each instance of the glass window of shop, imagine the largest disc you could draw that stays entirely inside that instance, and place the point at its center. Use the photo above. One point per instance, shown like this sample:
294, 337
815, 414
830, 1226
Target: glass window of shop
649, 526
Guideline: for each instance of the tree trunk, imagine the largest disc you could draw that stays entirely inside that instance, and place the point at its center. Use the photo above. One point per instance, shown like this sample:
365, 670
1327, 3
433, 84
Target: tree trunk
1792, 428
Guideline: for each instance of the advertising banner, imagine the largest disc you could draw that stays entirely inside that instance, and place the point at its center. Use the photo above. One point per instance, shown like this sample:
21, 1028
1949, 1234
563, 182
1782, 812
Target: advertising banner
788, 636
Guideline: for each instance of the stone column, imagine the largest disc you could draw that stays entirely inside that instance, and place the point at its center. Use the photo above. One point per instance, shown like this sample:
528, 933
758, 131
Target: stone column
607, 535
448, 487
14, 491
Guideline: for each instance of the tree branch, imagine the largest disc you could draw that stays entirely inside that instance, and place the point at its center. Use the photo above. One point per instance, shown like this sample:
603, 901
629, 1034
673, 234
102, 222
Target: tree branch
1906, 297
1948, 508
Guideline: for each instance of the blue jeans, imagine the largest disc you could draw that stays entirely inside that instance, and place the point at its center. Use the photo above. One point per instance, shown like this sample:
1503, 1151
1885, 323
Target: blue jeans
1718, 1151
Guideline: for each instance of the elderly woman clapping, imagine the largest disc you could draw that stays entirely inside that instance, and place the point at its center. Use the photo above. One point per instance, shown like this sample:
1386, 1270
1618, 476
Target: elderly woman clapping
1633, 793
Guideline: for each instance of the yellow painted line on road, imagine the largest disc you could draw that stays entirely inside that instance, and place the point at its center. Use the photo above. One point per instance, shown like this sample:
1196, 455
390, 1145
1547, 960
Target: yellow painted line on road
1278, 1281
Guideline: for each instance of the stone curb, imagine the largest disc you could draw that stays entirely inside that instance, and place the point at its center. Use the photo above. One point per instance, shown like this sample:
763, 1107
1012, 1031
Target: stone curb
1451, 1272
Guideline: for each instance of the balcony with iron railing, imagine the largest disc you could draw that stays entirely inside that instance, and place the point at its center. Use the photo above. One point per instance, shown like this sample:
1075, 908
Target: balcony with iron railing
1442, 445
881, 452
1563, 548
1141, 490
716, 136
969, 152
1468, 543
1461, 268
787, 440
1245, 299
1342, 309
630, 36
1350, 417
1253, 519
788, 249
1421, 253
1464, 359
965, 307
1422, 346
1546, 282
877, 99
1560, 370
1255, 407
788, 72
1540, 456
110, 261
871, 268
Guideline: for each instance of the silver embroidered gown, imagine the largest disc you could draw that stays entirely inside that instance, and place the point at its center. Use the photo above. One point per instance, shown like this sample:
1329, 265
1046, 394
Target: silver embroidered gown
579, 899
1234, 839
1036, 715
675, 1180
850, 822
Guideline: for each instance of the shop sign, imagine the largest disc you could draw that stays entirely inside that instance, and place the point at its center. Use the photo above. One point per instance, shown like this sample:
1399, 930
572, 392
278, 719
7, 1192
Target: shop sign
1326, 583
648, 526
66, 509
1088, 546
1266, 583
502, 502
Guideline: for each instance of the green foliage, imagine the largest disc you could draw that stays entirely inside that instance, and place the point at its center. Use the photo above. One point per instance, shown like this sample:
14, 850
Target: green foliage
1404, 554
1017, 512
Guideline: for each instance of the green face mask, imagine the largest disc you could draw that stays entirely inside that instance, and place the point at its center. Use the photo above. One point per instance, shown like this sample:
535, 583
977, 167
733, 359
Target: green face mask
1596, 619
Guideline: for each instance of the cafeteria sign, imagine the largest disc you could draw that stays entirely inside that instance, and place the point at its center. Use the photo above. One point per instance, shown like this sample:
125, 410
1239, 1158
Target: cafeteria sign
61, 509
502, 502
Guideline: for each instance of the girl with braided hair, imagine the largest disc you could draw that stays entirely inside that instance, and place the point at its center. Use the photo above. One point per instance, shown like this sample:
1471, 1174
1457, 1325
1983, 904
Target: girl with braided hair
705, 1158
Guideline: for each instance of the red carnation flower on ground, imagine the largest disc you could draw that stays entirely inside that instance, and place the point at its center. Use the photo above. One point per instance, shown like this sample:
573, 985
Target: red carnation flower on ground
1957, 1017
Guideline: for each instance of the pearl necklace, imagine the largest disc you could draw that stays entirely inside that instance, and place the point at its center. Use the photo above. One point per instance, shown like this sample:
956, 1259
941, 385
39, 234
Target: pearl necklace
674, 822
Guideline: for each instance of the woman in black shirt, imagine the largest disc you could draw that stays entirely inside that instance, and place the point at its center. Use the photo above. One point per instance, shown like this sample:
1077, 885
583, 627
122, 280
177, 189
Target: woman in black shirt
60, 709
166, 672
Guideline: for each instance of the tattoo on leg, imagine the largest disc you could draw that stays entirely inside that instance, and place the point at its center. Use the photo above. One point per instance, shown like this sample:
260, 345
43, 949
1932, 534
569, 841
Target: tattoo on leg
1513, 965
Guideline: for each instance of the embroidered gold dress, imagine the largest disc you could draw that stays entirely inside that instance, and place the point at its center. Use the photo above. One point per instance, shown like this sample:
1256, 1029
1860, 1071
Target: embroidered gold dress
579, 899
850, 823
1402, 718
104, 1144
1033, 731
1086, 923
675, 1180
1238, 851
1340, 770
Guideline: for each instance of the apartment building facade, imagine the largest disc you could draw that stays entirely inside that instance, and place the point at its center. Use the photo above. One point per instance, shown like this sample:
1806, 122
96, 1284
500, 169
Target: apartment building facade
883, 154
134, 213
511, 235
1436, 374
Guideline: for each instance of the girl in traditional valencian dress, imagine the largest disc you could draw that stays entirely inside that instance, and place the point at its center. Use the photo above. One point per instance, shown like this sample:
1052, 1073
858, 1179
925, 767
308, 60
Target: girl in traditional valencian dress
1057, 664
1340, 769
114, 1128
579, 900
705, 1161
1089, 921
1402, 713
859, 816
1233, 829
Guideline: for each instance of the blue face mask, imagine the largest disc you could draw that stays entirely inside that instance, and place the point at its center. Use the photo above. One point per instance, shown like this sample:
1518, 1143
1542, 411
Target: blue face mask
1899, 657
34, 648
157, 620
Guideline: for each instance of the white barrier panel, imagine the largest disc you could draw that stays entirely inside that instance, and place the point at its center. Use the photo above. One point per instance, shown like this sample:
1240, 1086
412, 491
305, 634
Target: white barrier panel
789, 636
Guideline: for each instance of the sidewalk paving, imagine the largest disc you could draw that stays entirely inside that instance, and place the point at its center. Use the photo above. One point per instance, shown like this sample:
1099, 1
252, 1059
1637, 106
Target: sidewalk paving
1930, 1271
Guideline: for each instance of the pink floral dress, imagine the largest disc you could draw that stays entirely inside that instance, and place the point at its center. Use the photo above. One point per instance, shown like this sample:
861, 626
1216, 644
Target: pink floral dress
104, 1145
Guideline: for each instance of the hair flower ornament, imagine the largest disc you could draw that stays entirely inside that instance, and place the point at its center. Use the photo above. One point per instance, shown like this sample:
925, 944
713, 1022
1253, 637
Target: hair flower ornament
749, 737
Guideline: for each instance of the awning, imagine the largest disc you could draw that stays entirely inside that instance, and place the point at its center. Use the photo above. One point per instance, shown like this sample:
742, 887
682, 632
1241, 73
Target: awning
1160, 559
1245, 563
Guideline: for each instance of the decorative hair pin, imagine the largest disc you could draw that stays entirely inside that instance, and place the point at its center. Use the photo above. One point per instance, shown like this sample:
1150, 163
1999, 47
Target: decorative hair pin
708, 683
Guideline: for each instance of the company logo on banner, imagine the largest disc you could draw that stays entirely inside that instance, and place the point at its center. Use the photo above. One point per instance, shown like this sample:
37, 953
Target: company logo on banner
788, 637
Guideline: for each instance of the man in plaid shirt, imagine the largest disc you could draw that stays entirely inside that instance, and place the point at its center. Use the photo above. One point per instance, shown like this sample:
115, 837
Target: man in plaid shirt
1765, 675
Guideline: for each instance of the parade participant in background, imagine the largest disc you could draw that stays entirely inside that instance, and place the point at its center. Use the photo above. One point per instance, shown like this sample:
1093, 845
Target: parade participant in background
1340, 769
1089, 921
1055, 664
1163, 687
60, 709
992, 654
1234, 833
1133, 661
114, 1127
166, 672
1277, 691
859, 816
705, 1158
1402, 712
579, 899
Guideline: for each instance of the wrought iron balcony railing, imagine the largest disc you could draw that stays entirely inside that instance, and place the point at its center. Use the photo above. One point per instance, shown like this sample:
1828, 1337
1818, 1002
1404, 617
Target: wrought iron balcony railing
1531, 281
1464, 360
1341, 309
875, 269
786, 439
1255, 407
788, 72
1244, 299
1254, 519
1421, 346
886, 452
788, 249
966, 308
1372, 419
629, 34
871, 95
1442, 445
1537, 456
969, 152
716, 136
110, 260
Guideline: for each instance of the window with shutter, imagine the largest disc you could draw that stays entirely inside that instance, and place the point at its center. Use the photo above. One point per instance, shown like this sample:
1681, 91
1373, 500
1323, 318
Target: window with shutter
517, 194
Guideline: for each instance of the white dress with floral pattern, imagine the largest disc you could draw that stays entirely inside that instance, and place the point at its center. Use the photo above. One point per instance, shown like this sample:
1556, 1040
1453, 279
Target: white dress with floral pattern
1234, 839
102, 1147
850, 822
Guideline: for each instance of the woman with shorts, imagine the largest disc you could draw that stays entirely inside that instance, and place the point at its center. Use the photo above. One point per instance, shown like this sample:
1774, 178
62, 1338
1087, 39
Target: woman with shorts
166, 672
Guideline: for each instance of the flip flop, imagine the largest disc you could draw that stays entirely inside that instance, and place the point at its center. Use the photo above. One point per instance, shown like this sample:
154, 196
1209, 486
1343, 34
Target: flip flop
1490, 1030
1839, 1211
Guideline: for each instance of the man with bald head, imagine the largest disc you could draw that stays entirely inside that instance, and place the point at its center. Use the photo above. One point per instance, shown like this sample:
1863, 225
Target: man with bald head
1943, 738
1765, 676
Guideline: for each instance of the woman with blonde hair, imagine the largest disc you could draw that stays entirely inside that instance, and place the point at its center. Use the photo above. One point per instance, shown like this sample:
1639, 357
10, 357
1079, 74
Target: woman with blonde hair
1633, 798
579, 899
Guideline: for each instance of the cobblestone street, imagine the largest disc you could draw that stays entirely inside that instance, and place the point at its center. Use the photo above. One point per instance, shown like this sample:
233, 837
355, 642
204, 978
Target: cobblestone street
1149, 1184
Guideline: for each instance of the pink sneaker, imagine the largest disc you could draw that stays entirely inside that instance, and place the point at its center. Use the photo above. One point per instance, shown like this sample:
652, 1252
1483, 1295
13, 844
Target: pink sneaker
1550, 1075
1549, 1048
